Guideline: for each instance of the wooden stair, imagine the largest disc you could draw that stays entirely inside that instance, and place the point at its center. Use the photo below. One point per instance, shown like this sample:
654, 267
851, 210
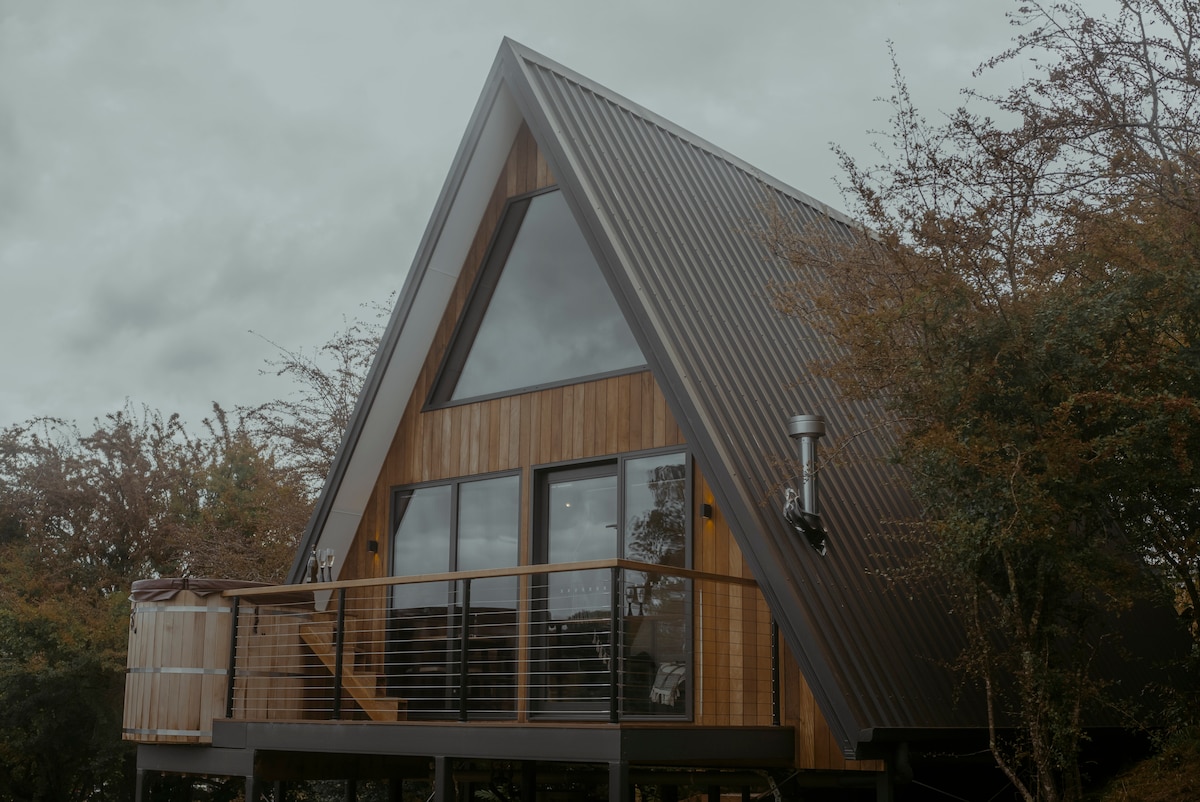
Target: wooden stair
363, 688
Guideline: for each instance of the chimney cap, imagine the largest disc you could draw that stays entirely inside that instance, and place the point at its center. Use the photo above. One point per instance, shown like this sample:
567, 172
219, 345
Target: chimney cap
806, 426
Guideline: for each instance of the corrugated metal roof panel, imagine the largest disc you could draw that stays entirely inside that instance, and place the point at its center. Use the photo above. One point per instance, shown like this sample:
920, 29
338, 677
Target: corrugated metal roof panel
674, 218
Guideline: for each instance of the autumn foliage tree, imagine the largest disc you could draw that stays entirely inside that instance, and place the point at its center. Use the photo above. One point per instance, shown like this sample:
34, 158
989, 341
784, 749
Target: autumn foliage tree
85, 513
305, 428
1022, 291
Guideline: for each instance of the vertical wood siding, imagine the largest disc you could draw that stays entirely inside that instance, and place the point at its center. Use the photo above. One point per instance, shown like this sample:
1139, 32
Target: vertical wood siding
741, 656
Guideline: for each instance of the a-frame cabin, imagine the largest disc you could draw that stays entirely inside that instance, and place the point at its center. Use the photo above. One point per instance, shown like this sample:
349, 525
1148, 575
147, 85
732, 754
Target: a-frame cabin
553, 542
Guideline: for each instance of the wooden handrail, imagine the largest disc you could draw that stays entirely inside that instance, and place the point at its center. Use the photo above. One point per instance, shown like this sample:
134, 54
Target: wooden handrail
489, 573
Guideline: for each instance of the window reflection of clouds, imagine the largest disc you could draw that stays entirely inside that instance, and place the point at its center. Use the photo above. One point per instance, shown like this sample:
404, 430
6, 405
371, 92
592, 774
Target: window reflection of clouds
421, 545
583, 517
551, 317
582, 526
488, 519
488, 523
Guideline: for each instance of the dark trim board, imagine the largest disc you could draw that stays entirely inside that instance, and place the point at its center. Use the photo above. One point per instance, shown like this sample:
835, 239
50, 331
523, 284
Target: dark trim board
681, 746
195, 759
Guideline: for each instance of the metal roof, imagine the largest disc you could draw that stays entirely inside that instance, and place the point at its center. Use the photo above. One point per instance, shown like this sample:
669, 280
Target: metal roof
671, 218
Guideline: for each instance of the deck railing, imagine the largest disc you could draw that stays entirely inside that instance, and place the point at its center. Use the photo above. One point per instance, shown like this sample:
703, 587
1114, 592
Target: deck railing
609, 640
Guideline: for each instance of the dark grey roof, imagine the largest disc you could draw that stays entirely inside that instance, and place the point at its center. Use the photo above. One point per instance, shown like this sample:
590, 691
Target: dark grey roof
673, 218
670, 218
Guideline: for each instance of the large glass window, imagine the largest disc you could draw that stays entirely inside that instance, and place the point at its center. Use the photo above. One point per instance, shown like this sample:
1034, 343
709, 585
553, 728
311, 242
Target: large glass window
655, 633
541, 313
421, 544
634, 508
460, 526
456, 527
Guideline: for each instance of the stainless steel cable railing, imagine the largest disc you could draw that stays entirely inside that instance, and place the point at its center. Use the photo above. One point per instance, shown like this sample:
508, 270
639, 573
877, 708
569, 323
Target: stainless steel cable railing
609, 640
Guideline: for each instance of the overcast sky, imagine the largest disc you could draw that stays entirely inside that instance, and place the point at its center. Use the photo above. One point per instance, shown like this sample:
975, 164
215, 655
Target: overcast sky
176, 175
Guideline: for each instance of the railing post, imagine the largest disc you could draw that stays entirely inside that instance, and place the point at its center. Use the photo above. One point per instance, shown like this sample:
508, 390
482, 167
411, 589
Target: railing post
233, 637
464, 654
614, 652
774, 672
339, 642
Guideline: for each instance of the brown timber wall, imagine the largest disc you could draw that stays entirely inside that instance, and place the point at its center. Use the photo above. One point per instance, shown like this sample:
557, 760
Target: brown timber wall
716, 551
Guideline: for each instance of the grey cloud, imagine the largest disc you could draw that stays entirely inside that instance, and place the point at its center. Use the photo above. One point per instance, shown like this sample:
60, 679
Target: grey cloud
173, 175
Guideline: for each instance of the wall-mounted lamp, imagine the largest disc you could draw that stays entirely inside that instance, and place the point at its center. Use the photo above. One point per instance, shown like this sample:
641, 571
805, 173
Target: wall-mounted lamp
801, 511
373, 546
706, 512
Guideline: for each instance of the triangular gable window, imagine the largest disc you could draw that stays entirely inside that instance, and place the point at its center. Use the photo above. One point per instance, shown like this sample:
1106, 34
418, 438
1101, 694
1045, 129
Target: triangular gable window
540, 314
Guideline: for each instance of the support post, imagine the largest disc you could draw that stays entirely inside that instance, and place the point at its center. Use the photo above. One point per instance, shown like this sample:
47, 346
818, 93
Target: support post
251, 788
614, 647
714, 793
775, 714
618, 781
443, 783
339, 640
232, 666
885, 789
528, 781
139, 787
464, 651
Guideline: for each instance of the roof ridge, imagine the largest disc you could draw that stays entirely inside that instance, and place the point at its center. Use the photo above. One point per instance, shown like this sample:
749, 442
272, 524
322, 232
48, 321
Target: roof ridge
538, 60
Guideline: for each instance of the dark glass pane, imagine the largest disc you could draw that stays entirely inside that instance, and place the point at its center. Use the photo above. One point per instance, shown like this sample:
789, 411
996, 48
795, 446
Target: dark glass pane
421, 545
489, 518
655, 510
488, 528
576, 649
551, 317
583, 520
655, 632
